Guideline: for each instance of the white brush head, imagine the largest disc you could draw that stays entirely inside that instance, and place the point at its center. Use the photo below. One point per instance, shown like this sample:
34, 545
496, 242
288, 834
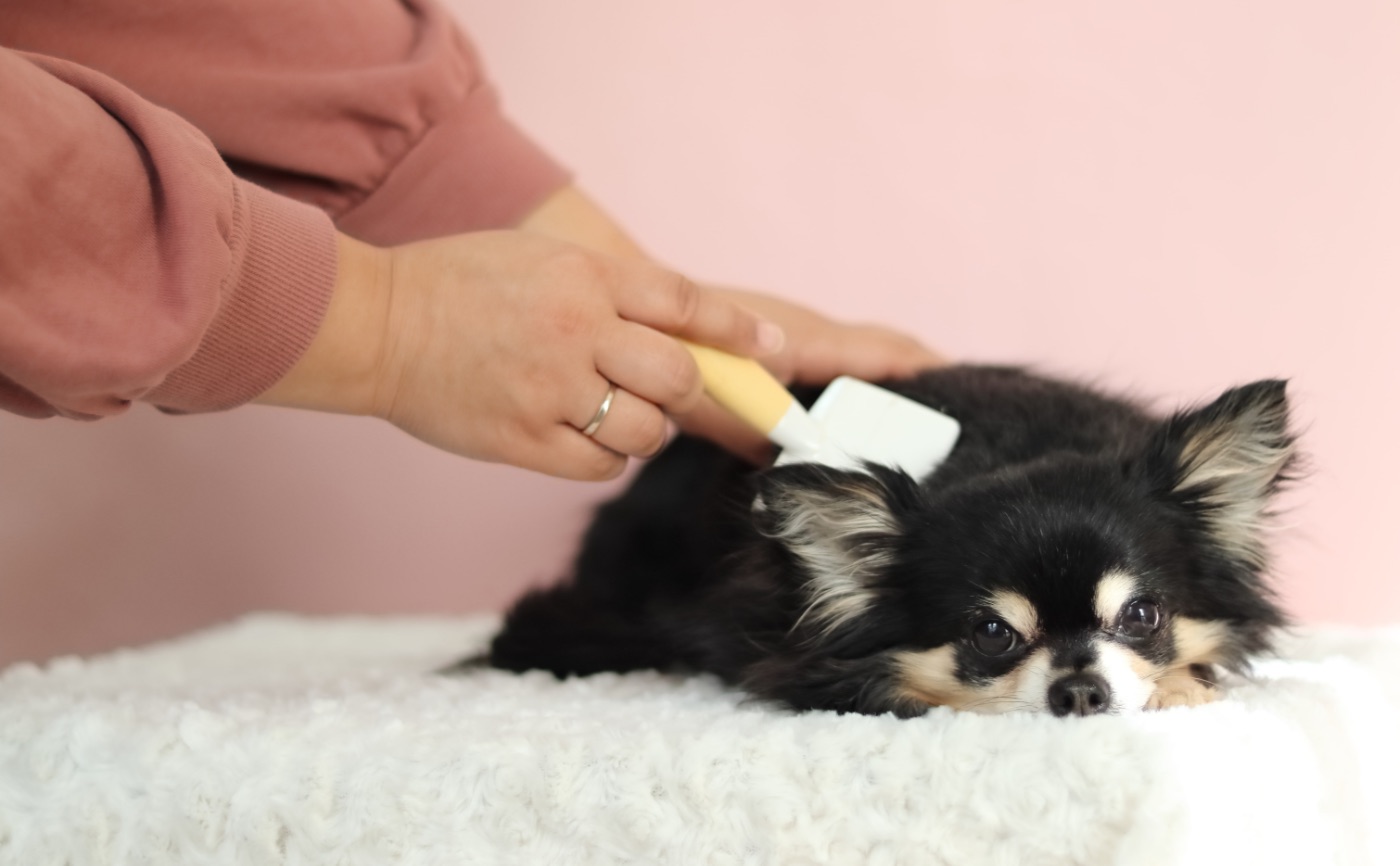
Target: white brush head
858, 421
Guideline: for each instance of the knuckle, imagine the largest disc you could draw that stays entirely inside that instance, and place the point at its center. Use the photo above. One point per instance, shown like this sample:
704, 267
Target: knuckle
653, 434
578, 267
687, 297
573, 296
679, 375
565, 318
604, 465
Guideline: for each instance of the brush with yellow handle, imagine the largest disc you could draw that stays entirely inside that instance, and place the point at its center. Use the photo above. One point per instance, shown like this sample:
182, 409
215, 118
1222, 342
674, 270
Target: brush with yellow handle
852, 421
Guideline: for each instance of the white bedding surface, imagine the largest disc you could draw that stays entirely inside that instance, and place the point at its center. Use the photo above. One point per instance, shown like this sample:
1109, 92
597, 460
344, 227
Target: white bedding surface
279, 739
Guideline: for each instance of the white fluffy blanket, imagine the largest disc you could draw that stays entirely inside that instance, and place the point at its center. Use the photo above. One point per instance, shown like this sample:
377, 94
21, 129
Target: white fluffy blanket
286, 740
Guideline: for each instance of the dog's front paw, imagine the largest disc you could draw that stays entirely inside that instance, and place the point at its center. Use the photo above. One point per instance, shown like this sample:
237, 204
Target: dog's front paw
1181, 690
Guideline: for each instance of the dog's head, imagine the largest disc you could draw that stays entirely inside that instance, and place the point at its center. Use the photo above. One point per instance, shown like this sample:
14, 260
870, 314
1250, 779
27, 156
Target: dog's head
1074, 583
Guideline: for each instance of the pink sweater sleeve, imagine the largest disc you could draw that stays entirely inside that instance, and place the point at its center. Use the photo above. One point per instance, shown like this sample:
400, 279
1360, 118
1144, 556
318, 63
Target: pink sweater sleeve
136, 267
375, 111
134, 264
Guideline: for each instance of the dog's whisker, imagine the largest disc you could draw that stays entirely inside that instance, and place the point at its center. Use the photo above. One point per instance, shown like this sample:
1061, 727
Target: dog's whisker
1010, 702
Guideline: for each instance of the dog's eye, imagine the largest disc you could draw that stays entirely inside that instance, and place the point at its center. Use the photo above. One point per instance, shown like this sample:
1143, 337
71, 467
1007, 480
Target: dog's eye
993, 637
1141, 618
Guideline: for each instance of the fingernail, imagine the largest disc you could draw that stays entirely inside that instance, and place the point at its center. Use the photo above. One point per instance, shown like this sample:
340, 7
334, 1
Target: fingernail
770, 338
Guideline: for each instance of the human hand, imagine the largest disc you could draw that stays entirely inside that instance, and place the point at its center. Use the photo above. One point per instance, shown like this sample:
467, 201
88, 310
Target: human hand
501, 346
817, 350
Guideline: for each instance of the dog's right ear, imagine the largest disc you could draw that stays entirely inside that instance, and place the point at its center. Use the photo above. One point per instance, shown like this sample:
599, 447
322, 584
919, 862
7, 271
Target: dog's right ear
1223, 462
840, 526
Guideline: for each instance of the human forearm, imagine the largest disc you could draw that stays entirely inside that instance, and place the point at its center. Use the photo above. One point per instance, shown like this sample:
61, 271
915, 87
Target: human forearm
339, 370
570, 215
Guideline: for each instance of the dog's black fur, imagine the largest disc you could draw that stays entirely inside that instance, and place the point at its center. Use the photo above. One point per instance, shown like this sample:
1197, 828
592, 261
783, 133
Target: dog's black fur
1050, 487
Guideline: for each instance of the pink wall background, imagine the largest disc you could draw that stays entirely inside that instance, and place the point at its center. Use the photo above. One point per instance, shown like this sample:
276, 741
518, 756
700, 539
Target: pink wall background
1170, 198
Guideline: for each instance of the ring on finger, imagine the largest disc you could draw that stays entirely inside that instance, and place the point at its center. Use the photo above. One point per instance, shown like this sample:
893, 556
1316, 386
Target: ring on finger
602, 412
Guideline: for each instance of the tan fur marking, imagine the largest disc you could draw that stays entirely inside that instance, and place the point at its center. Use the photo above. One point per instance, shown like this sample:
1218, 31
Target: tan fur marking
1018, 612
929, 677
1142, 667
1198, 641
1115, 589
1180, 689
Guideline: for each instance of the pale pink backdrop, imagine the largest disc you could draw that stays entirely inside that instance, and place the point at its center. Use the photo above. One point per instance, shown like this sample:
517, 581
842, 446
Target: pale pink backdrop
1166, 197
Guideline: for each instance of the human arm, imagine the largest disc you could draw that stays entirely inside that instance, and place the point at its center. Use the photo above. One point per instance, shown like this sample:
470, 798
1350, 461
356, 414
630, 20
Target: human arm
142, 269
377, 112
368, 111
135, 266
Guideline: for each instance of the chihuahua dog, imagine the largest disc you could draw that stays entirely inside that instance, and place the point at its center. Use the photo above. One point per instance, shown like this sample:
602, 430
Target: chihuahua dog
1073, 555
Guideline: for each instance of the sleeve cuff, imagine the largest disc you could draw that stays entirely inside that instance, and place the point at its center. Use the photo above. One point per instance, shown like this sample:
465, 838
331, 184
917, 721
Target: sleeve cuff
272, 303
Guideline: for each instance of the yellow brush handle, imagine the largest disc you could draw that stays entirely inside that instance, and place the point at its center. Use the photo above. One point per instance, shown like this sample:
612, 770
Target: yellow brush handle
742, 386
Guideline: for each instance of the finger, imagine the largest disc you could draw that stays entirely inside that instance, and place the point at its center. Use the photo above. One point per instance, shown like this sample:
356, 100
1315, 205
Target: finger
632, 426
712, 422
592, 405
909, 352
865, 352
564, 452
669, 302
652, 366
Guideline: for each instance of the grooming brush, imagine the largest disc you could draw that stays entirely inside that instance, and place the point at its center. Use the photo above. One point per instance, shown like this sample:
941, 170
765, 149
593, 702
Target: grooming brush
851, 422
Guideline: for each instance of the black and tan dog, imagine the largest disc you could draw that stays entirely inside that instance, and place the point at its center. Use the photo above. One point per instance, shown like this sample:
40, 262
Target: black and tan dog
1073, 555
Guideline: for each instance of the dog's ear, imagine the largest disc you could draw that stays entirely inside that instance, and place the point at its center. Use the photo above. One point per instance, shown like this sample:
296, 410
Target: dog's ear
842, 529
1224, 462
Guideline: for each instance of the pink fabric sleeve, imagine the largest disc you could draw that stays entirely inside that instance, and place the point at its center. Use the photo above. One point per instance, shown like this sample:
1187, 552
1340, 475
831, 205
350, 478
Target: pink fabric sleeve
376, 111
134, 265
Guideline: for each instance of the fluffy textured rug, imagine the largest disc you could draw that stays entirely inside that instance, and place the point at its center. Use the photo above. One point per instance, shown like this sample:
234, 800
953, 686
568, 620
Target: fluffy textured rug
286, 740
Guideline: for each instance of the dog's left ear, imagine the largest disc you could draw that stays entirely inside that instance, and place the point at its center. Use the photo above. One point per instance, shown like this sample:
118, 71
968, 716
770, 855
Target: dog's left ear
1225, 461
840, 527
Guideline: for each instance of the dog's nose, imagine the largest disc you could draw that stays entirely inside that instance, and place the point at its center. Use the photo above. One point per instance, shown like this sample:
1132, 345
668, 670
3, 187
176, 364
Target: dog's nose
1079, 694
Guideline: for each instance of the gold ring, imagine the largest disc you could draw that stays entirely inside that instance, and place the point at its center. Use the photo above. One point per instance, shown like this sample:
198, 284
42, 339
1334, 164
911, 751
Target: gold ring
602, 411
